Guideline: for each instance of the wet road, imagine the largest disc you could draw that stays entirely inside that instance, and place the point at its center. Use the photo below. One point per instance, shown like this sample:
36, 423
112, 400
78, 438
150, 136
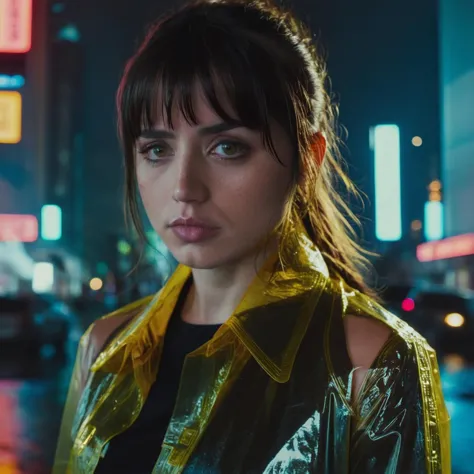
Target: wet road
458, 386
32, 393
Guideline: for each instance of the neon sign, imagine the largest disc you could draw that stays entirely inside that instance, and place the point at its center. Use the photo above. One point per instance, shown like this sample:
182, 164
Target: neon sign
10, 116
11, 82
15, 26
458, 246
18, 228
385, 142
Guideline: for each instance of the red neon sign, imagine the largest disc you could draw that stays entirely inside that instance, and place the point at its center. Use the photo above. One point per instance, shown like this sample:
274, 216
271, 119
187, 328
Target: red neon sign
18, 228
15, 26
458, 246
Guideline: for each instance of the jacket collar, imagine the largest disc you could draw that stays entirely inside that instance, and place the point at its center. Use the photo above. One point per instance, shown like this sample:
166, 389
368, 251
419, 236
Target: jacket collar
271, 319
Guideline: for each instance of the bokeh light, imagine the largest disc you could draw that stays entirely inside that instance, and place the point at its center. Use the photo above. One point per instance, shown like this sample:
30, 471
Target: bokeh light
408, 304
96, 284
416, 225
454, 320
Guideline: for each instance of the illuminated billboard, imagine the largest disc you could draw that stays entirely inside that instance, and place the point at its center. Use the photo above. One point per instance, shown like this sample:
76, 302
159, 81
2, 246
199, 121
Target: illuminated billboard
385, 143
51, 222
15, 26
451, 247
434, 217
18, 228
8, 81
10, 116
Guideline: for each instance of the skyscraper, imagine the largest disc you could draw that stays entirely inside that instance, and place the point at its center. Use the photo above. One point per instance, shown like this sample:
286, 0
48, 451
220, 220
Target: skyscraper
454, 256
457, 96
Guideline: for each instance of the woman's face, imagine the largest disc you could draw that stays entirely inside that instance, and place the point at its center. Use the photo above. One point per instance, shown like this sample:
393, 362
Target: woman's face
218, 178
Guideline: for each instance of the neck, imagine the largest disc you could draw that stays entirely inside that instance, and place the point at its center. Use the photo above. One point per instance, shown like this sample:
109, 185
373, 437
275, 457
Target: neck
215, 293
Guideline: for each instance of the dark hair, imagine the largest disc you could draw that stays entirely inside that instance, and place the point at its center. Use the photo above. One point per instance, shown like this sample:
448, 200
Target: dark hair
267, 65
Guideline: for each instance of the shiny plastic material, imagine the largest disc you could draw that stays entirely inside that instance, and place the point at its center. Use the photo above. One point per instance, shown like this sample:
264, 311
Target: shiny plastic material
271, 392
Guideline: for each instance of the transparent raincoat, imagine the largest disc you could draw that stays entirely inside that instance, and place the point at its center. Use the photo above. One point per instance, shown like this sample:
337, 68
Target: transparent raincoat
270, 392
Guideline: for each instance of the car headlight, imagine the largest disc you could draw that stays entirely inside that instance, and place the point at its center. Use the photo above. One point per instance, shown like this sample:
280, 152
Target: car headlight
454, 320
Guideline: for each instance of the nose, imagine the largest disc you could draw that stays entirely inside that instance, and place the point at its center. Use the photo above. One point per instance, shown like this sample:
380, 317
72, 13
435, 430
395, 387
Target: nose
190, 185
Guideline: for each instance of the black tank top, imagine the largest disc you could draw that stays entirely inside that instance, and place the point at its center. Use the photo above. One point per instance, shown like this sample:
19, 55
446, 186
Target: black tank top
136, 450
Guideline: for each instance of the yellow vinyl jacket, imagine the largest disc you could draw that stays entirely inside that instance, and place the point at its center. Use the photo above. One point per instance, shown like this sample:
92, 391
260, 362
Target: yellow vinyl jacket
271, 391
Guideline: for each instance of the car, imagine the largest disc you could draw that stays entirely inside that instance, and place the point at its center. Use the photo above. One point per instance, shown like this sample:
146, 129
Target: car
392, 297
16, 323
444, 316
33, 321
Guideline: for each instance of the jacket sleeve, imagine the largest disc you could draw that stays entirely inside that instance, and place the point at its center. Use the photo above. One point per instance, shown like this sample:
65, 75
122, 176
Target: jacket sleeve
98, 335
401, 425
76, 387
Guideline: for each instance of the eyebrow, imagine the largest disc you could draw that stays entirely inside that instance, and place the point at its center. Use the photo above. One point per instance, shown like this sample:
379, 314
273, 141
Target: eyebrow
203, 131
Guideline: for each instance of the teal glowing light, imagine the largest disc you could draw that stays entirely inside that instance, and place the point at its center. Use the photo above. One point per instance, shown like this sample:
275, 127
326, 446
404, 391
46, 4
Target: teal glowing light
11, 82
51, 222
385, 141
434, 217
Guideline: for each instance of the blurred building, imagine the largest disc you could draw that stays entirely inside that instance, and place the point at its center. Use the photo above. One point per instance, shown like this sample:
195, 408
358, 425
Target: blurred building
457, 98
24, 73
381, 76
43, 165
22, 161
64, 164
453, 257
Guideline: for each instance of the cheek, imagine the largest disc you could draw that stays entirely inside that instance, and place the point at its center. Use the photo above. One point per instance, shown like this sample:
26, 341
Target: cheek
275, 192
259, 196
150, 190
275, 182
143, 184
142, 189
143, 173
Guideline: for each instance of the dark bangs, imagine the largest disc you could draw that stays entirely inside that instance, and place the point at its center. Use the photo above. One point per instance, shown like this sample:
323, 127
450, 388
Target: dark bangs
208, 51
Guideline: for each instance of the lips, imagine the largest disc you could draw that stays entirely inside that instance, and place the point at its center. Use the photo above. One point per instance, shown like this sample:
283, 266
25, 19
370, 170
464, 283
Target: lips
190, 222
192, 230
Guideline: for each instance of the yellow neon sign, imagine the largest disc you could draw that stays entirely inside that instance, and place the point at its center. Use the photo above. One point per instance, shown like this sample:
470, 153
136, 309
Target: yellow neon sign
10, 117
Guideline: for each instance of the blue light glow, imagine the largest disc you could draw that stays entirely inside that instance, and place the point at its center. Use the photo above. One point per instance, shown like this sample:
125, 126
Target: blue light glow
11, 82
69, 33
434, 217
51, 222
385, 140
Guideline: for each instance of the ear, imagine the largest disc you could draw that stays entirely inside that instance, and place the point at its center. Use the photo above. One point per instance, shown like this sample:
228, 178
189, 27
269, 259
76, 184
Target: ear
319, 148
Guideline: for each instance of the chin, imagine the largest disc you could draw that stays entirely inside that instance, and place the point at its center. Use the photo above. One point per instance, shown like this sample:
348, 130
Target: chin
214, 253
200, 258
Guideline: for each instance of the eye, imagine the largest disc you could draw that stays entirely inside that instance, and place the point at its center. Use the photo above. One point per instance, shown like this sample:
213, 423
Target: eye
154, 152
230, 149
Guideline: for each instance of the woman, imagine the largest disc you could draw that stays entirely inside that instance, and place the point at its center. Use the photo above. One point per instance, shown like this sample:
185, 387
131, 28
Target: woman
264, 352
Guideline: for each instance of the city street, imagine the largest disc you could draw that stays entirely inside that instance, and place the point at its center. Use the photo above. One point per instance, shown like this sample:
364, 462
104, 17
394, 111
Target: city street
32, 394
333, 139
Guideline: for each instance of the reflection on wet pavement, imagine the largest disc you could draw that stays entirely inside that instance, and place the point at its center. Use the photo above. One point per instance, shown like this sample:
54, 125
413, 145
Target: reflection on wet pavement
32, 393
458, 386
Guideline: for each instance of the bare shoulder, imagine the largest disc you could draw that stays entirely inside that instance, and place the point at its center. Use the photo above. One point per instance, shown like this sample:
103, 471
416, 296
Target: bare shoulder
365, 338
